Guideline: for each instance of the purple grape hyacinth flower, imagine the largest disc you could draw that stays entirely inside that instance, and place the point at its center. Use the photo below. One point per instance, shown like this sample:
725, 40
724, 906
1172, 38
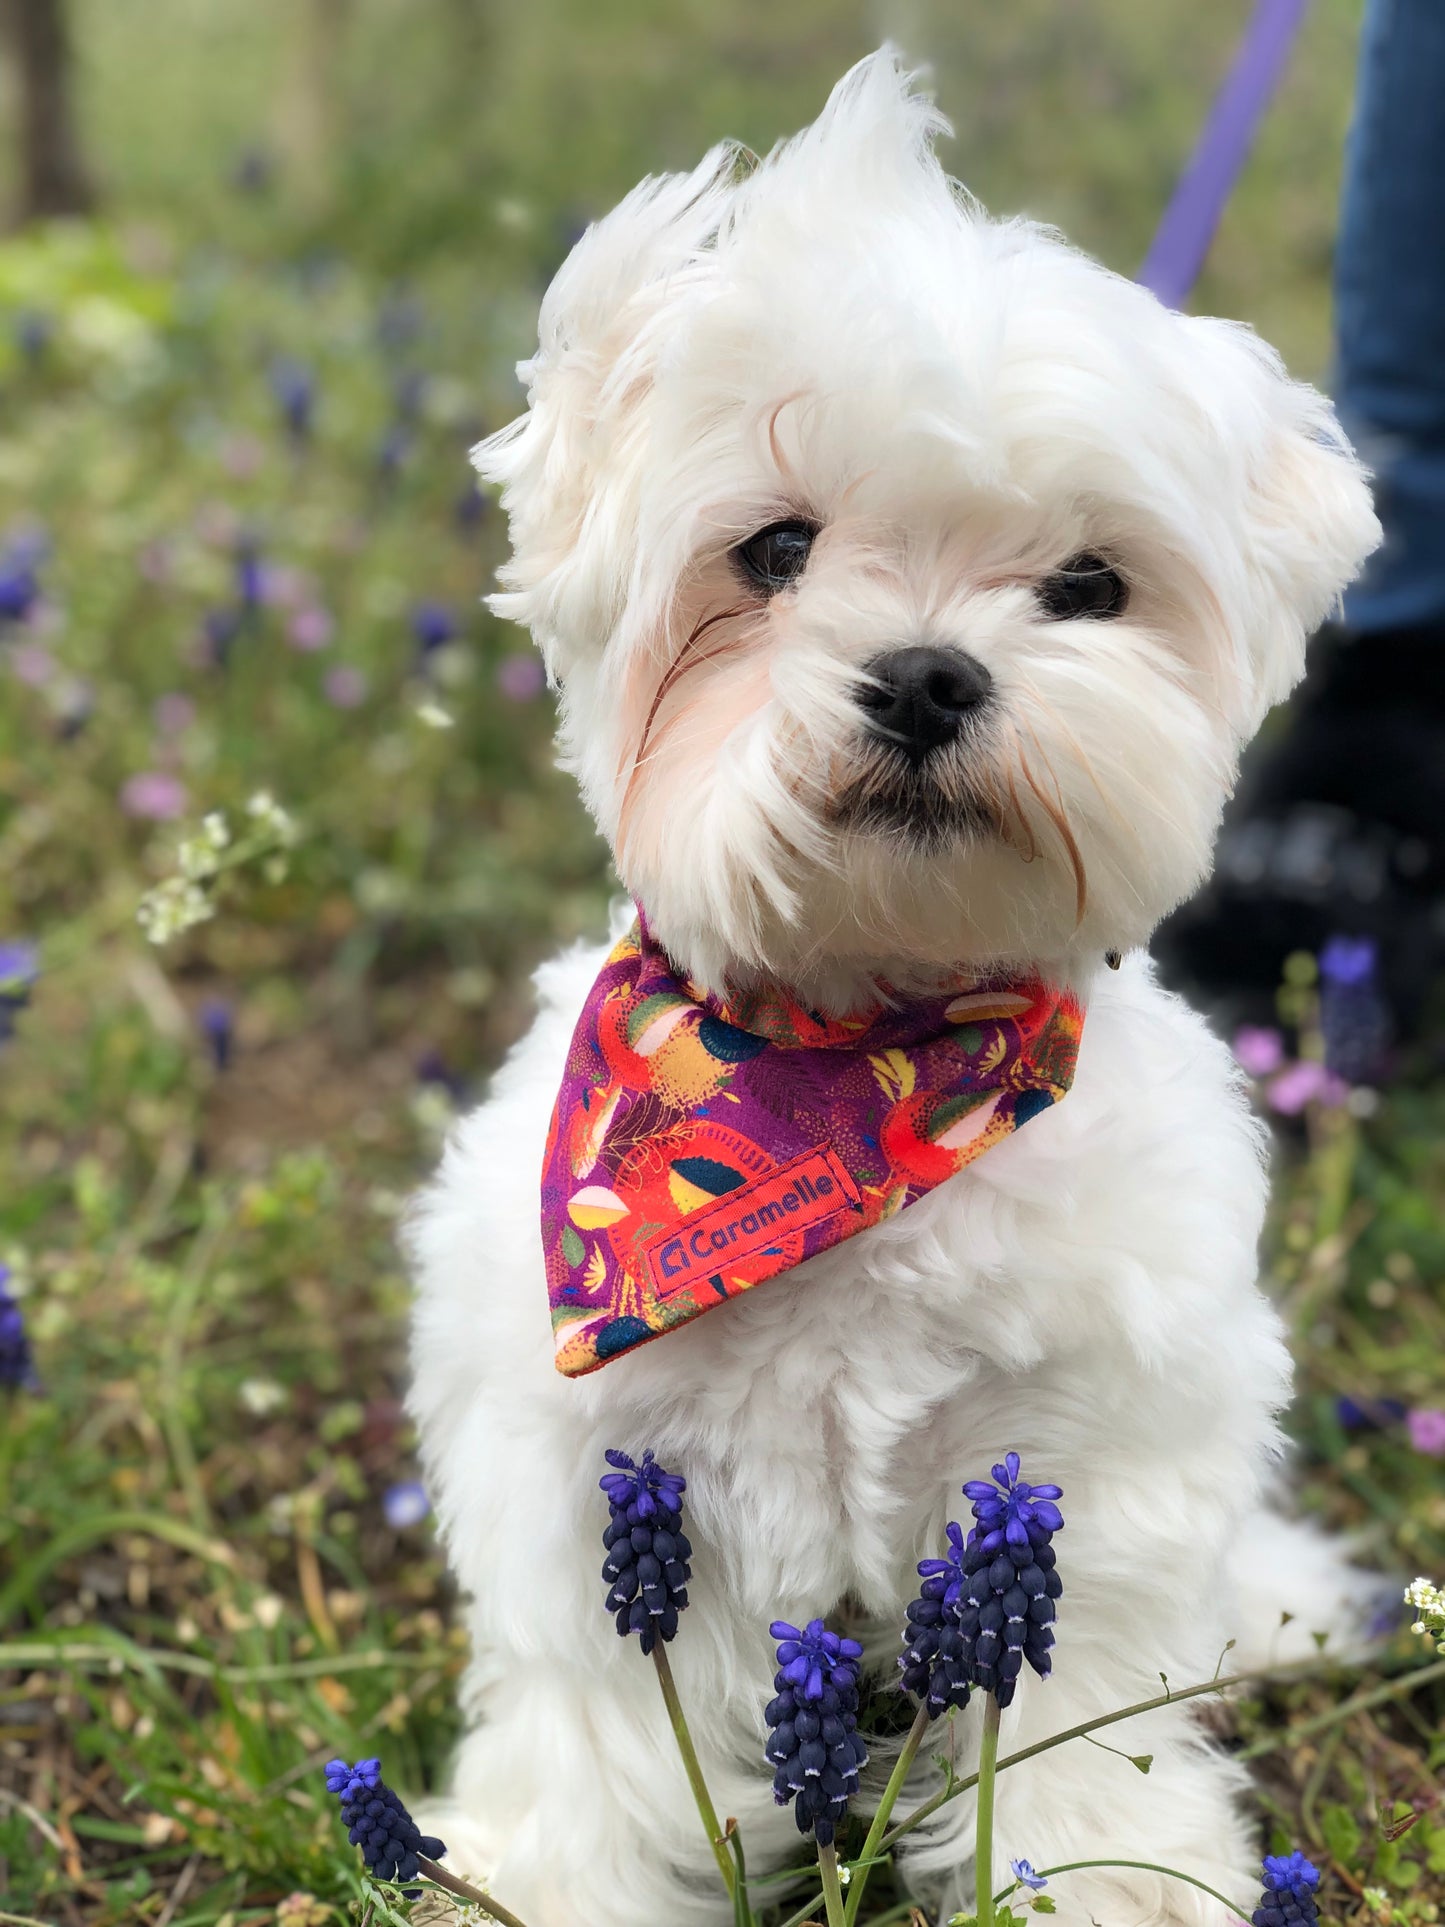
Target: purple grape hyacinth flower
1289, 1892
1368, 1414
1009, 1579
1354, 1017
814, 1745
433, 625
646, 1567
216, 1020
19, 967
934, 1660
378, 1823
17, 1363
294, 387
19, 590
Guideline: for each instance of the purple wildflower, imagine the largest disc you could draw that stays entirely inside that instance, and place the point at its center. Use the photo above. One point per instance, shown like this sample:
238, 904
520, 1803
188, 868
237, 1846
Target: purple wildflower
250, 574
377, 1822
1354, 1017
813, 1742
19, 589
1008, 1579
405, 1504
934, 1659
1368, 1414
294, 387
154, 795
17, 1364
19, 967
216, 1020
1258, 1050
433, 625
1304, 1083
1024, 1874
1427, 1432
1289, 1892
646, 1567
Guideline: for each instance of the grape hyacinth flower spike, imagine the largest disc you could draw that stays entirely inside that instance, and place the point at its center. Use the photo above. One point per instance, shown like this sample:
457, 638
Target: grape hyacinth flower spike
17, 1362
1289, 1892
646, 1567
934, 1659
1009, 1579
814, 1745
378, 1823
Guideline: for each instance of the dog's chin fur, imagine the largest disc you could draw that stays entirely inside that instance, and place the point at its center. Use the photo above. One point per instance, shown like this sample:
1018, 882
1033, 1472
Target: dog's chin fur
837, 335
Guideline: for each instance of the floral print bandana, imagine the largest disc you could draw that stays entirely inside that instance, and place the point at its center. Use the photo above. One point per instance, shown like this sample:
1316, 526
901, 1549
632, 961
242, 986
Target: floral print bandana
700, 1147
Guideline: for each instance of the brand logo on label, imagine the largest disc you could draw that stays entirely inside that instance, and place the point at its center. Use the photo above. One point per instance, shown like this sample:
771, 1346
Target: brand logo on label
746, 1221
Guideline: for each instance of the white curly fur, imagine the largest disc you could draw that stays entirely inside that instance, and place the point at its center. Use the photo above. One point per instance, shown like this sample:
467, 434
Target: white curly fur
958, 405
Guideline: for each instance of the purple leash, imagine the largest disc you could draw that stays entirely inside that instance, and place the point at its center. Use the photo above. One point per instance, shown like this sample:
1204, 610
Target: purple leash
1182, 238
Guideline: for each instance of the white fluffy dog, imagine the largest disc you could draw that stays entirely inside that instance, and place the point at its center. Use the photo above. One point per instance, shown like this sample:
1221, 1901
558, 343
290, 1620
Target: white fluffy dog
787, 420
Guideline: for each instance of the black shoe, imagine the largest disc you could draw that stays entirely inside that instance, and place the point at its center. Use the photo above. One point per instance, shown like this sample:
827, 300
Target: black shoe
1338, 829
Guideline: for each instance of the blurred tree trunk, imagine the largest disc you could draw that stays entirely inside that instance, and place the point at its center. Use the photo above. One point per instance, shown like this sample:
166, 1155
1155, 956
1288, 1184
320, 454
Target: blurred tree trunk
53, 176
311, 104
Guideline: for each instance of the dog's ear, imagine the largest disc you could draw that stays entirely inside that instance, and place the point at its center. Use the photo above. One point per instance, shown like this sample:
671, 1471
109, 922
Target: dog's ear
595, 355
1309, 523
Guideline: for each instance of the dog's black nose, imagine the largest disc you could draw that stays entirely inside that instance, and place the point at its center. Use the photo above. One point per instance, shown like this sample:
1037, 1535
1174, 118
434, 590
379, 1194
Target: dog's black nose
918, 697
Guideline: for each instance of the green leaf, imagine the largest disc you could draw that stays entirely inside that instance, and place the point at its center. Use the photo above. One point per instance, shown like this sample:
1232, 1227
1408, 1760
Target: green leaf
1341, 1832
573, 1249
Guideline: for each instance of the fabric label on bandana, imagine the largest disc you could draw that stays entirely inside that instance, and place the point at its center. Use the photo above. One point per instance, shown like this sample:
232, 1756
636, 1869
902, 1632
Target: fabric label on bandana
701, 1147
755, 1219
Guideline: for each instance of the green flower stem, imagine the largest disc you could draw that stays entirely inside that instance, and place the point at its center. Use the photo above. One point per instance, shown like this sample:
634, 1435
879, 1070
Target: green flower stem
716, 1838
983, 1837
1144, 1866
902, 1767
832, 1886
464, 1890
742, 1903
1300, 1669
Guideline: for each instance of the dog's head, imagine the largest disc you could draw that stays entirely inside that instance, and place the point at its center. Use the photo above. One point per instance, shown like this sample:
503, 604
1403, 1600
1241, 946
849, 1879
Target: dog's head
911, 582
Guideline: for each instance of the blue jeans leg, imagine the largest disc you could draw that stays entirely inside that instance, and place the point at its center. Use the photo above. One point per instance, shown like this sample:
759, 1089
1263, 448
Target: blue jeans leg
1390, 308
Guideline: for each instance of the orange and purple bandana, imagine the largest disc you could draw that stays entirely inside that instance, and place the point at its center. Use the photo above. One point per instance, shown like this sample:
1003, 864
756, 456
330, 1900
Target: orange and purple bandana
698, 1148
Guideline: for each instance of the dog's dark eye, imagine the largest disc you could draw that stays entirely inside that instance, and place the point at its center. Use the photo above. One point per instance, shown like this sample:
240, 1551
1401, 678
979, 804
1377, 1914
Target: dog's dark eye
1085, 586
776, 556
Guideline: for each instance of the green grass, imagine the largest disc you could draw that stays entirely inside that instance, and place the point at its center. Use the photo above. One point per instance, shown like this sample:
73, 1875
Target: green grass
200, 1599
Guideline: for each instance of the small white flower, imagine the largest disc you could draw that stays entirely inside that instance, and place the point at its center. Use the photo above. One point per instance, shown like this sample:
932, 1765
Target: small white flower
197, 858
434, 716
1428, 1599
216, 830
173, 906
261, 1395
